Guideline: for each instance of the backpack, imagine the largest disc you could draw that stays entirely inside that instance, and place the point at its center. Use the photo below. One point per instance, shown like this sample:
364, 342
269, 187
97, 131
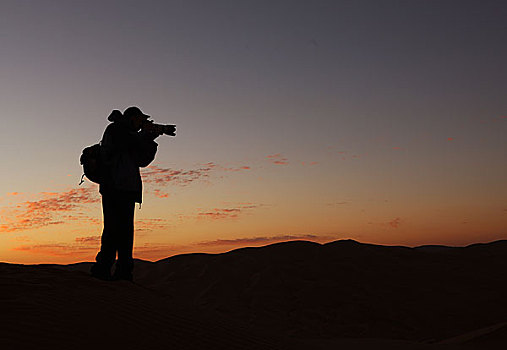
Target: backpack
90, 160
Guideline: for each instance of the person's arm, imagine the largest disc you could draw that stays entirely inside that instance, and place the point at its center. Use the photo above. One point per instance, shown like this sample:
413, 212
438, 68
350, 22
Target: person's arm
140, 146
145, 151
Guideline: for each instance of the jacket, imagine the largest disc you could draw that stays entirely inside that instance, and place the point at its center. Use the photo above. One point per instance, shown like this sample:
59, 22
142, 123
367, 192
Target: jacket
123, 151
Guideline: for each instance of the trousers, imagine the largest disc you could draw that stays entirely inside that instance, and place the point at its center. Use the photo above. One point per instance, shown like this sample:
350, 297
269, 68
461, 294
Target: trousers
118, 233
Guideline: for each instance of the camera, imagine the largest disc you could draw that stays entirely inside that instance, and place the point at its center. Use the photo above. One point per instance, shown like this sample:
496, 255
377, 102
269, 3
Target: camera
150, 127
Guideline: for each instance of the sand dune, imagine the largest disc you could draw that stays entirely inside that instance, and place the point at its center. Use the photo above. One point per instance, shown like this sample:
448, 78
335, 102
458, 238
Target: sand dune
45, 307
340, 295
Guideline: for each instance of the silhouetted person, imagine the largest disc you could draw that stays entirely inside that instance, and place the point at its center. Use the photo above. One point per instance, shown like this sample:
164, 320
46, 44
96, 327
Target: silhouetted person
128, 143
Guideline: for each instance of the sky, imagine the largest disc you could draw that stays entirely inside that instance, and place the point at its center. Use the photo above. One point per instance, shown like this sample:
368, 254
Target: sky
379, 121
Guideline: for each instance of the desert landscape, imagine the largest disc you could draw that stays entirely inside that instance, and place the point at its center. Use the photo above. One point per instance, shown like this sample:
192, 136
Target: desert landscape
282, 175
289, 295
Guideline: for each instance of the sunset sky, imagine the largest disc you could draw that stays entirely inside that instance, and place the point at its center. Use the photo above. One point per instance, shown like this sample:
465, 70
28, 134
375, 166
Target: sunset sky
380, 121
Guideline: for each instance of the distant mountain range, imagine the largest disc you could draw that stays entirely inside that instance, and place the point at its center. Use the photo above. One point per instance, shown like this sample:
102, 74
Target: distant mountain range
286, 294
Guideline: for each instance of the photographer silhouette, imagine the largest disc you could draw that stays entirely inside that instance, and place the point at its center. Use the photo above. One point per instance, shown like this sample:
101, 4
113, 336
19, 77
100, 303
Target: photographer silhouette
128, 144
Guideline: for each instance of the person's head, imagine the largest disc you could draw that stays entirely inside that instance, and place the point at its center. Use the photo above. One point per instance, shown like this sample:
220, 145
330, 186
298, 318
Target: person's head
135, 117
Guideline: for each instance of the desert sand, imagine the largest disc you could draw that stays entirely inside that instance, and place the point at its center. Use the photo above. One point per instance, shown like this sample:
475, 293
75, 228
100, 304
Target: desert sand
290, 295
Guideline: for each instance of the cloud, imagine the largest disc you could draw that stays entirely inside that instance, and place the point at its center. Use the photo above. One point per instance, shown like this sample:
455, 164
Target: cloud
337, 203
217, 214
158, 193
157, 177
277, 159
81, 247
344, 155
395, 222
347, 155
226, 213
90, 240
21, 239
309, 163
75, 250
163, 176
48, 210
241, 168
82, 218
492, 120
256, 240
151, 224
450, 139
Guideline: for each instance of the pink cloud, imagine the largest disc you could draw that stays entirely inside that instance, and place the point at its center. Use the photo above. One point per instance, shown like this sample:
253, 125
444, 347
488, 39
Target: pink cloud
151, 224
158, 193
163, 176
82, 247
90, 240
157, 177
344, 155
491, 120
277, 159
226, 213
244, 167
77, 251
48, 210
395, 222
217, 214
81, 218
337, 203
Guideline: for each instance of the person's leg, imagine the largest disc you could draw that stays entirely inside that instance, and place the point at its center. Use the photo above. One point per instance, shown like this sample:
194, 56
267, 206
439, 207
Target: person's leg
125, 262
107, 254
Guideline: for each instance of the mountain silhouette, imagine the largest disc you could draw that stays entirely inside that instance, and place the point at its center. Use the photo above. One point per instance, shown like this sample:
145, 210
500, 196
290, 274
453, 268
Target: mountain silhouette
296, 294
